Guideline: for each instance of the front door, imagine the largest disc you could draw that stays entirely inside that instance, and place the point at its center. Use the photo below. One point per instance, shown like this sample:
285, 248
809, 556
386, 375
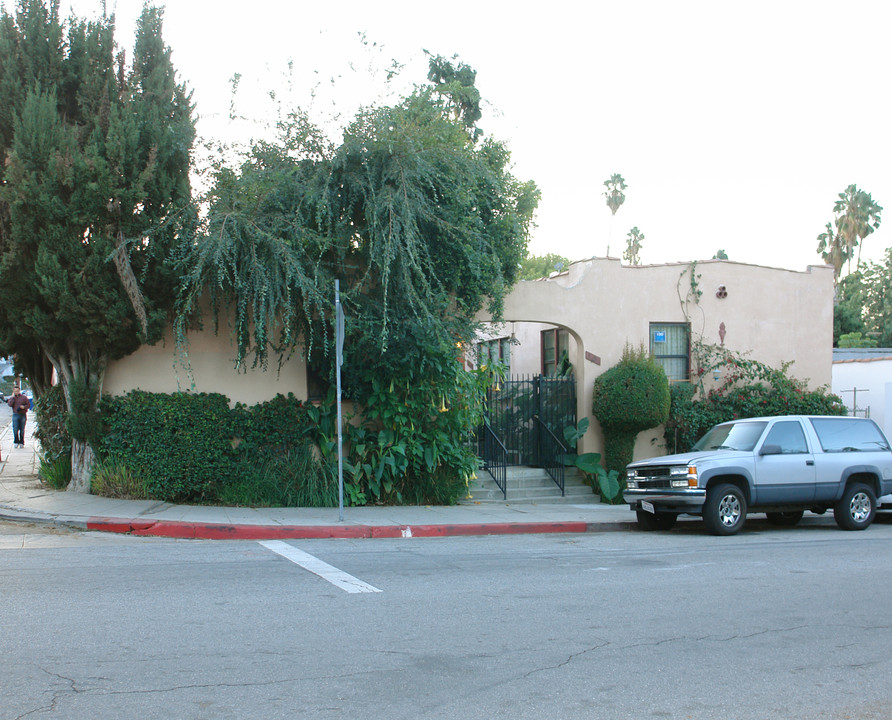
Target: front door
787, 475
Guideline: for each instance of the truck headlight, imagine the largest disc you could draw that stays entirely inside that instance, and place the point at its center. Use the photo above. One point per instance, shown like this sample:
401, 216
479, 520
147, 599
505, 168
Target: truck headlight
683, 477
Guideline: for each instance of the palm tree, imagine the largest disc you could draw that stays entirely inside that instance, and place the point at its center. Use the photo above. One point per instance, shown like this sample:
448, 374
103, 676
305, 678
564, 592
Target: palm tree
857, 216
614, 193
633, 246
831, 248
615, 197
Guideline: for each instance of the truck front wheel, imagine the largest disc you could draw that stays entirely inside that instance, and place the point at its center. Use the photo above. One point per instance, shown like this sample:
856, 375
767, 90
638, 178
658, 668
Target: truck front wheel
724, 511
856, 508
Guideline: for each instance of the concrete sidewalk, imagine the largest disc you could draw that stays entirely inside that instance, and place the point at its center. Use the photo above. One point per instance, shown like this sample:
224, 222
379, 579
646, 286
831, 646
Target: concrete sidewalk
23, 498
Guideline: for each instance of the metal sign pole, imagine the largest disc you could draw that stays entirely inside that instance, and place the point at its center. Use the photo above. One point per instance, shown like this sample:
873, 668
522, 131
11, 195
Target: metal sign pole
339, 359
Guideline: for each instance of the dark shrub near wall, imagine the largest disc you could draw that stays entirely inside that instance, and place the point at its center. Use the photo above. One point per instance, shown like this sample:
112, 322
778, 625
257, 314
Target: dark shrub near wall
181, 445
189, 447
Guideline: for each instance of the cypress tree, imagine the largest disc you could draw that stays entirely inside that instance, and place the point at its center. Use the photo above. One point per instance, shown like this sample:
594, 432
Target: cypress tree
95, 195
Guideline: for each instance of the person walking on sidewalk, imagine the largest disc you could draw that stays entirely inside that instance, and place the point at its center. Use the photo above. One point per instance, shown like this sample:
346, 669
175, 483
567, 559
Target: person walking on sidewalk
20, 404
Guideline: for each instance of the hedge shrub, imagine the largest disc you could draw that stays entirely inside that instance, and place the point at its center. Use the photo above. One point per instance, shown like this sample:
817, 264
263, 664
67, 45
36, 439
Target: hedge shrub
189, 447
630, 397
181, 445
193, 448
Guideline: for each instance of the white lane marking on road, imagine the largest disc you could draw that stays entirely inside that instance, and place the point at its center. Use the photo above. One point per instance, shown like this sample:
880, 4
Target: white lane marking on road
336, 577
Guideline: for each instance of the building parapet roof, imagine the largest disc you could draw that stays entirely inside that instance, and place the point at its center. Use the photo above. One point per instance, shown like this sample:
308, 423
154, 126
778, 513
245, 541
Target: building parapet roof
849, 355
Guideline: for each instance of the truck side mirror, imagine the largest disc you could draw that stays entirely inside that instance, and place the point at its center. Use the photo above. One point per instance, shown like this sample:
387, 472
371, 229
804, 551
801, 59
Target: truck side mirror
770, 450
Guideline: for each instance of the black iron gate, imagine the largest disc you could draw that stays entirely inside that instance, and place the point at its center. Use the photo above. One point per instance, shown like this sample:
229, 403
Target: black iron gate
528, 416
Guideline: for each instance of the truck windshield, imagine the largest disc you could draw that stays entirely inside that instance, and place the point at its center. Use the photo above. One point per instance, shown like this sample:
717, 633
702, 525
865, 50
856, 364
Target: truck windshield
732, 436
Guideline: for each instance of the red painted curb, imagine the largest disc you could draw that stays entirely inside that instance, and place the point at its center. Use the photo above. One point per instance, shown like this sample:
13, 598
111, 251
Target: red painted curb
213, 531
496, 529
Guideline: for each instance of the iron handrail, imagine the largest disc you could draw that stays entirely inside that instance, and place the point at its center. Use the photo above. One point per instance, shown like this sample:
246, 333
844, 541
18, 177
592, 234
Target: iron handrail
495, 458
552, 462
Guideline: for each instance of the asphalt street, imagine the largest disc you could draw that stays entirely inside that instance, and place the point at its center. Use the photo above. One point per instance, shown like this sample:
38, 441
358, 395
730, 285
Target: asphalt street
772, 623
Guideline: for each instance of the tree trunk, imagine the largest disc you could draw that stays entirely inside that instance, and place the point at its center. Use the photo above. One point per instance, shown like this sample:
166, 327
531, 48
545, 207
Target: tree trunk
82, 458
88, 368
130, 283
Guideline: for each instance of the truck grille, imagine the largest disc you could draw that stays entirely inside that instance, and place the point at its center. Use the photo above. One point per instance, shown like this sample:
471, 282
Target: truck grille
653, 477
651, 483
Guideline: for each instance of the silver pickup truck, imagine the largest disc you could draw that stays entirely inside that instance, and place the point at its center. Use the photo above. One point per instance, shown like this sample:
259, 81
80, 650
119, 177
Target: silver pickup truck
780, 466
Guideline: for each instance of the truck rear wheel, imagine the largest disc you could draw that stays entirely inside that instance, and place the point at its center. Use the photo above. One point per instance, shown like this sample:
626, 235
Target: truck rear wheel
724, 511
656, 521
856, 508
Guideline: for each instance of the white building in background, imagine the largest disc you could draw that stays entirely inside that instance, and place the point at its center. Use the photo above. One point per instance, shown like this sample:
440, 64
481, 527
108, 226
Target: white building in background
862, 377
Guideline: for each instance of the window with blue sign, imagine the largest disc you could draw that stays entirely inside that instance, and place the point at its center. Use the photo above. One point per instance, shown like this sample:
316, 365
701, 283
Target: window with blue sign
670, 346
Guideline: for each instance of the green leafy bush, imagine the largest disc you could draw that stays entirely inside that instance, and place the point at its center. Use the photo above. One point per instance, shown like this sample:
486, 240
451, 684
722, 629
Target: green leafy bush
630, 397
412, 445
633, 395
748, 389
188, 447
52, 427
270, 428
410, 448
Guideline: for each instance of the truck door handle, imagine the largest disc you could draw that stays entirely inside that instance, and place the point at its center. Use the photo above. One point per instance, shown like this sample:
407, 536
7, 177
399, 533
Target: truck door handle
809, 462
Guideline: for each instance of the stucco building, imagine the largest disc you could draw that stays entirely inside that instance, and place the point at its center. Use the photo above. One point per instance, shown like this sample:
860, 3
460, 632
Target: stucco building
591, 312
596, 307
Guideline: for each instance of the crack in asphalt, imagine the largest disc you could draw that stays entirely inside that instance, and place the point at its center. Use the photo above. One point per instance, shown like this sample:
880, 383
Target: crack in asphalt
56, 695
664, 641
173, 688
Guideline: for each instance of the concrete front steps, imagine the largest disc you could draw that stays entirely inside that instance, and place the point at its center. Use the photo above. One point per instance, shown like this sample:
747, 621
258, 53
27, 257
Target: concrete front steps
531, 485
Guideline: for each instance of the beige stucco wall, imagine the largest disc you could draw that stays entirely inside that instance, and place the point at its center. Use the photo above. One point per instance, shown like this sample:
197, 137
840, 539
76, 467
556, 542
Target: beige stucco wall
211, 357
774, 315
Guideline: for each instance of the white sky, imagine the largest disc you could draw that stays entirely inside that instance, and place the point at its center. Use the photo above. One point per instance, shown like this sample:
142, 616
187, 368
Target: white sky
735, 125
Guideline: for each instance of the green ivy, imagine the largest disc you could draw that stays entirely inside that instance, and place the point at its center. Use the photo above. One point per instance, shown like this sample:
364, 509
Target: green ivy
182, 445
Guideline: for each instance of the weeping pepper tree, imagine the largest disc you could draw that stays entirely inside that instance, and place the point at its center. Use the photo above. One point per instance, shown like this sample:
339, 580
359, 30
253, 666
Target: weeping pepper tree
95, 192
418, 217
